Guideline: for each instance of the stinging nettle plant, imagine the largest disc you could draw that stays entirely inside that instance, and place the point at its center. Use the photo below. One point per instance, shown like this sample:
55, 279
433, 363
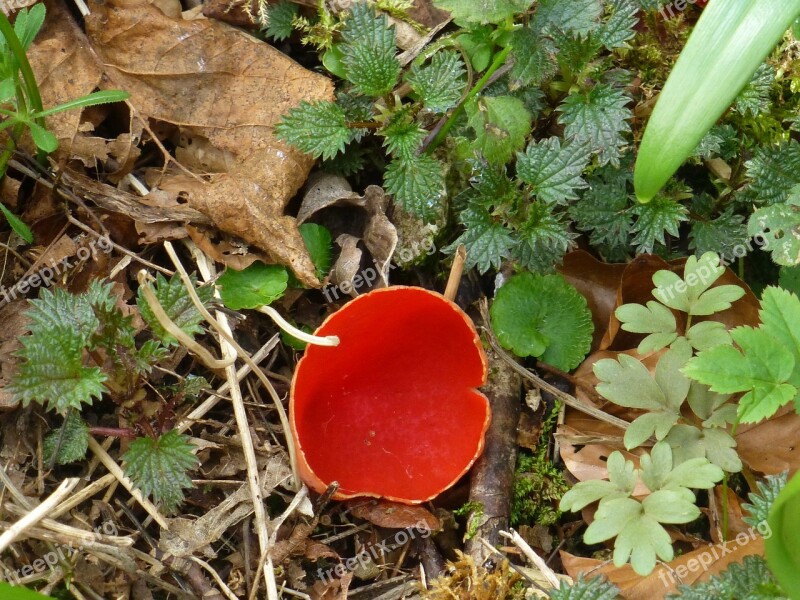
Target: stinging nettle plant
81, 349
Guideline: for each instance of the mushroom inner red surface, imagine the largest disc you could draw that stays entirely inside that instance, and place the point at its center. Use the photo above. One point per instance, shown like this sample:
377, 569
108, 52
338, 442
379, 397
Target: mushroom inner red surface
392, 411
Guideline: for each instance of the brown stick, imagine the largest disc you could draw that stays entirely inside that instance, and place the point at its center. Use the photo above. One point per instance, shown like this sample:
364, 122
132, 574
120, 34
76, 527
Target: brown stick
492, 482
456, 271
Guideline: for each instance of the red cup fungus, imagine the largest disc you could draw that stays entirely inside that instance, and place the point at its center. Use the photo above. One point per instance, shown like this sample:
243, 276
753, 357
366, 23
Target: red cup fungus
393, 410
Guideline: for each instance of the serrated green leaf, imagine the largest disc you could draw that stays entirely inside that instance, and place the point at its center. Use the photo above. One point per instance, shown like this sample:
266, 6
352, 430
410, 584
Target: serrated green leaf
368, 51
71, 440
402, 136
318, 128
417, 182
178, 305
58, 308
257, 285
53, 371
658, 217
543, 316
774, 170
778, 226
534, 58
725, 235
487, 242
619, 28
604, 209
440, 83
554, 171
577, 16
280, 17
501, 124
754, 98
751, 579
761, 369
483, 11
763, 497
159, 467
597, 118
779, 314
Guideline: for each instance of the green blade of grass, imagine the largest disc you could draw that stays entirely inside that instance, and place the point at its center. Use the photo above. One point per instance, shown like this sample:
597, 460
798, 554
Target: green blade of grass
729, 42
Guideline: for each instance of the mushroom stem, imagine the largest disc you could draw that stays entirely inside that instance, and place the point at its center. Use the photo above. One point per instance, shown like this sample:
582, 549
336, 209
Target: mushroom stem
330, 340
456, 271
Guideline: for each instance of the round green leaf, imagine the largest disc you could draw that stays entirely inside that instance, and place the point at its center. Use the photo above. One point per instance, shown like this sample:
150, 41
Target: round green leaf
255, 286
545, 317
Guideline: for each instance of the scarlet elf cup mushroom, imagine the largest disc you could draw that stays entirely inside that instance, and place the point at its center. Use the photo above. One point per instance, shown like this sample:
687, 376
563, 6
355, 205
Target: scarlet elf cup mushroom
393, 410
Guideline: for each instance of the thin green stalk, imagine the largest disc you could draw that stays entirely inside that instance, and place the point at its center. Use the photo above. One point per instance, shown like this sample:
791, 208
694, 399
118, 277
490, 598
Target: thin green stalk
498, 62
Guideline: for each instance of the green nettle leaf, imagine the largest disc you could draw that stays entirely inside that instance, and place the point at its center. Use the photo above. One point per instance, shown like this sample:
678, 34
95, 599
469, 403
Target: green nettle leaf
763, 497
754, 98
534, 58
279, 20
655, 319
316, 128
595, 588
545, 238
779, 228
691, 294
402, 136
58, 308
257, 285
655, 219
439, 84
178, 305
554, 171
417, 182
619, 28
72, 441
577, 16
487, 241
543, 316
604, 209
721, 140
501, 124
318, 242
597, 118
159, 467
53, 371
774, 170
483, 11
368, 51
724, 235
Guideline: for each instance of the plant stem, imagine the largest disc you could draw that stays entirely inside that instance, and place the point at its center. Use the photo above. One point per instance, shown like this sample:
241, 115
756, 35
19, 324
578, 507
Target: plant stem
499, 61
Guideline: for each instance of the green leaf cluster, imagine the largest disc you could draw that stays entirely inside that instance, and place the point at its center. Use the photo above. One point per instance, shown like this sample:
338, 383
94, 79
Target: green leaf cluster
637, 524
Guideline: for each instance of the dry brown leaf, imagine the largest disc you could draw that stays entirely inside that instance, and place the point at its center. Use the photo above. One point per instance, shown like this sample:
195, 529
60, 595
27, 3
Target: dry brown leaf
697, 565
393, 515
771, 446
220, 84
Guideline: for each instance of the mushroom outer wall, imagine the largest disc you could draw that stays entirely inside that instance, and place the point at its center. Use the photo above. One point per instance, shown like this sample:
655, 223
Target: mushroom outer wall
393, 410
